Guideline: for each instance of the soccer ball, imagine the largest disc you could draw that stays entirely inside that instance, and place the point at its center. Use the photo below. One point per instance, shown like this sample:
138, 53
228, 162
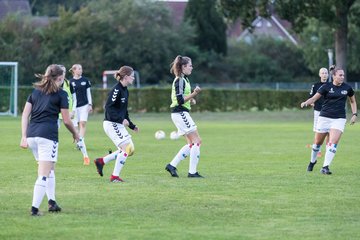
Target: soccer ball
160, 134
174, 135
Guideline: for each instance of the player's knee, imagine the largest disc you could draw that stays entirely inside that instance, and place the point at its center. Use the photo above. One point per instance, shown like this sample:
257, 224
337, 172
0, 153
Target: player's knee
332, 147
197, 142
316, 147
130, 148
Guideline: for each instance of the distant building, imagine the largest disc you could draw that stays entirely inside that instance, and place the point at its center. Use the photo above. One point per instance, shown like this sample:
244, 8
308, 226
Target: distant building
177, 9
270, 27
13, 6
22, 7
267, 27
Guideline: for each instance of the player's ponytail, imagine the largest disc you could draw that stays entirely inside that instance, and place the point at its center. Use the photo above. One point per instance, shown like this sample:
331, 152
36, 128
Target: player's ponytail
48, 84
176, 65
333, 69
122, 72
72, 69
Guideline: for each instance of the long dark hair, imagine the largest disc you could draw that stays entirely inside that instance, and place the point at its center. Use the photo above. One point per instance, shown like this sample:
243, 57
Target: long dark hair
122, 72
48, 84
176, 65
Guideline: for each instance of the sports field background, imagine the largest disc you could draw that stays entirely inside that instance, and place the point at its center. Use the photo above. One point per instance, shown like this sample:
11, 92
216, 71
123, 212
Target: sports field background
255, 186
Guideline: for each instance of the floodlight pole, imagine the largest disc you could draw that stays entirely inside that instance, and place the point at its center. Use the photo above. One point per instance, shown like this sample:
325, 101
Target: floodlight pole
137, 78
330, 53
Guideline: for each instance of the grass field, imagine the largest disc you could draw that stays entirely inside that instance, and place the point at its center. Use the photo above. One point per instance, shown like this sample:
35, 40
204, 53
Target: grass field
255, 186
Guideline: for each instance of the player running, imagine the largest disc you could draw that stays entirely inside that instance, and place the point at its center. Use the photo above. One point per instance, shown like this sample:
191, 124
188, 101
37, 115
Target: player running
182, 98
332, 117
80, 90
115, 123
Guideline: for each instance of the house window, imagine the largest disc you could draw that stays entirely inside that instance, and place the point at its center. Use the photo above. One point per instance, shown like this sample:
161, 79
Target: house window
248, 39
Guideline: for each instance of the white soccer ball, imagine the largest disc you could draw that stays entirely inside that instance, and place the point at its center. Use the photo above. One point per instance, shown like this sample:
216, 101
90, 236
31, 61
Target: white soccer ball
174, 135
160, 134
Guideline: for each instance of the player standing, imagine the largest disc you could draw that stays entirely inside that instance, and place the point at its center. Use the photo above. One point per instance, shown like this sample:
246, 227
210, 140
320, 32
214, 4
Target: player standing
39, 130
324, 75
66, 87
80, 90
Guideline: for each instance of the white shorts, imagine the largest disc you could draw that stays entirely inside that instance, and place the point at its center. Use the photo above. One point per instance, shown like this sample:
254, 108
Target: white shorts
81, 114
183, 122
117, 133
316, 116
324, 124
43, 149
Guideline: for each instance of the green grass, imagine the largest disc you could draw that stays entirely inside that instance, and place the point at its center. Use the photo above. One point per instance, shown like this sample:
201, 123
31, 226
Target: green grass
256, 184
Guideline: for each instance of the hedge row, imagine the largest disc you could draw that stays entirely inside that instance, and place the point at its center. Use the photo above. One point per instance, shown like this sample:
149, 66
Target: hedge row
213, 100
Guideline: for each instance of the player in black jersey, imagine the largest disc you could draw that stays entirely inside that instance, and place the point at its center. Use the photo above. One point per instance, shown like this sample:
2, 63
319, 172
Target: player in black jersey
115, 123
80, 90
332, 117
39, 130
323, 74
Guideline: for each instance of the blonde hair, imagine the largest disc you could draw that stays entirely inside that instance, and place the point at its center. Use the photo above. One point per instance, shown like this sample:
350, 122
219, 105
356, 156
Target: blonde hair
122, 72
75, 66
176, 65
48, 84
321, 69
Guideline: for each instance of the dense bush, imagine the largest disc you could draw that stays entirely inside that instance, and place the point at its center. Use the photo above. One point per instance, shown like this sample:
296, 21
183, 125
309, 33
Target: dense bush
265, 60
213, 100
103, 35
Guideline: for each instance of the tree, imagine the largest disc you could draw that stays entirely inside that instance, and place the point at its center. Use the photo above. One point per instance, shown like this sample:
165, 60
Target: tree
333, 13
264, 62
315, 39
107, 34
245, 10
50, 8
20, 41
102, 35
209, 25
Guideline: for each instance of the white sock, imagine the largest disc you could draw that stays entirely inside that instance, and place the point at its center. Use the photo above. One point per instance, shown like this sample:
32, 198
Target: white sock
181, 155
50, 187
81, 145
39, 191
330, 154
314, 152
119, 164
111, 156
194, 157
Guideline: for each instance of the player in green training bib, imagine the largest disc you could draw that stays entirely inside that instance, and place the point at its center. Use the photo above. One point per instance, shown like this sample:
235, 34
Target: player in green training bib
181, 100
66, 87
